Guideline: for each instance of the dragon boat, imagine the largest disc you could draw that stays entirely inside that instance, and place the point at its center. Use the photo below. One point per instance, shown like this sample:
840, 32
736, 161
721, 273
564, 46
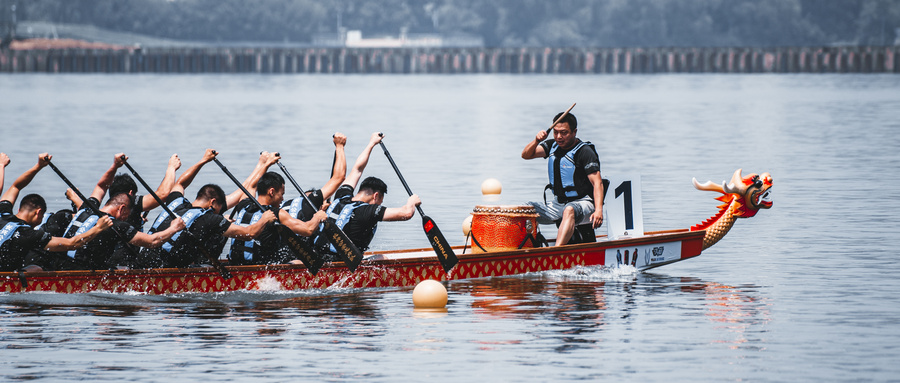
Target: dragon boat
742, 197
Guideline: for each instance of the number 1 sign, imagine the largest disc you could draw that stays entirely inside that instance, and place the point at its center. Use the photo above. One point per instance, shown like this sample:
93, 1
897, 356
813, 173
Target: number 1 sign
623, 211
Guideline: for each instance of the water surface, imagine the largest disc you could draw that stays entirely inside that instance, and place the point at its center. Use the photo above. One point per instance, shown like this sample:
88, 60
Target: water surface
803, 291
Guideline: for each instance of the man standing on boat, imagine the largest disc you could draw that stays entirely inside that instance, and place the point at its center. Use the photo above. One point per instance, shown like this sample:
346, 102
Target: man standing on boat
17, 234
203, 219
574, 172
358, 215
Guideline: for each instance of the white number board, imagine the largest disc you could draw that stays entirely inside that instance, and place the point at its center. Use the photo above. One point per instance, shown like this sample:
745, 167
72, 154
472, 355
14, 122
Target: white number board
622, 207
643, 256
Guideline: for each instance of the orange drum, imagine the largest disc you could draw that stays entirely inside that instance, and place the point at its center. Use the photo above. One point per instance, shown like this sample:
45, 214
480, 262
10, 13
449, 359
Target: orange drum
498, 228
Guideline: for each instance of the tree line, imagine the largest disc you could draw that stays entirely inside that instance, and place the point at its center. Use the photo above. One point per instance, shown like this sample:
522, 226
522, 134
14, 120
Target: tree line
602, 23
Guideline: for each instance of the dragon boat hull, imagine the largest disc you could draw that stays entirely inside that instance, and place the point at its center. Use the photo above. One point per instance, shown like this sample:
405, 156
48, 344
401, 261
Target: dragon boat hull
380, 269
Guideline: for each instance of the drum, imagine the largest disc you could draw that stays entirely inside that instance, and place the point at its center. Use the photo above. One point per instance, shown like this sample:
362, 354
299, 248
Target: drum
499, 228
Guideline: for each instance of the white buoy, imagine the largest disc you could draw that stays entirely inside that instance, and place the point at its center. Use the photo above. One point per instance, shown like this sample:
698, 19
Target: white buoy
467, 225
491, 186
429, 294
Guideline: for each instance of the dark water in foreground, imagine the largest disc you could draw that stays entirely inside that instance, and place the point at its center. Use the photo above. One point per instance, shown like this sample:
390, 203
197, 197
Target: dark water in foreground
802, 292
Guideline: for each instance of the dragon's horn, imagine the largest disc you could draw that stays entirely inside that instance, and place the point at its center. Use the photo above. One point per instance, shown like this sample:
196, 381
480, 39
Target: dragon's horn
736, 185
709, 186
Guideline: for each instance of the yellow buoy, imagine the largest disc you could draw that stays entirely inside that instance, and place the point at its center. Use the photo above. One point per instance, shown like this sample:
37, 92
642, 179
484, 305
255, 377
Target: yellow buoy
491, 186
429, 294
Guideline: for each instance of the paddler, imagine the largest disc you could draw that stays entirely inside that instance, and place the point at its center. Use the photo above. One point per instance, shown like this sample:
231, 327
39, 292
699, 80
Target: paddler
203, 219
17, 234
299, 208
98, 255
574, 172
358, 214
264, 248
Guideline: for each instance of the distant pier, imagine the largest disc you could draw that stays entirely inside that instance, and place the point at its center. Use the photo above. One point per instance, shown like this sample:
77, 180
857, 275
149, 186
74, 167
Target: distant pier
865, 59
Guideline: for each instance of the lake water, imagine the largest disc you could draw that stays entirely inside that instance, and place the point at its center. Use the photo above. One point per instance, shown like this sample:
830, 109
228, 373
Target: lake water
805, 291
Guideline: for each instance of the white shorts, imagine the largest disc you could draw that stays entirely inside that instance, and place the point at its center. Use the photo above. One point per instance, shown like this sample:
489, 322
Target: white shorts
550, 212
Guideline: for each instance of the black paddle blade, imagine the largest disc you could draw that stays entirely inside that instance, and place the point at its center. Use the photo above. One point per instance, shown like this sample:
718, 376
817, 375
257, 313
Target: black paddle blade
349, 253
439, 243
226, 275
302, 250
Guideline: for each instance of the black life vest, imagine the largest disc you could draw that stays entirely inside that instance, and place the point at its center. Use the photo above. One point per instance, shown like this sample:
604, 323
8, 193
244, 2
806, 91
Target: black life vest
8, 227
84, 220
561, 170
341, 212
245, 252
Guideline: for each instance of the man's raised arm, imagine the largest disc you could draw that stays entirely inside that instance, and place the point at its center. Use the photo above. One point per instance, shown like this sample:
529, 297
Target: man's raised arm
107, 178
20, 183
363, 160
339, 168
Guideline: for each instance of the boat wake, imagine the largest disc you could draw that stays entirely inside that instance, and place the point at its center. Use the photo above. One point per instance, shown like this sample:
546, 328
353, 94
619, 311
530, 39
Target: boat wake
618, 273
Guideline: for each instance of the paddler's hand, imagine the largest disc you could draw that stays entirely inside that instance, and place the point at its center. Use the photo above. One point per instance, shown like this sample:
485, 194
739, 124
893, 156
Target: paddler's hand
268, 159
339, 139
414, 200
104, 222
120, 159
178, 224
209, 155
597, 218
541, 136
268, 217
4, 159
174, 162
70, 195
43, 159
320, 217
376, 138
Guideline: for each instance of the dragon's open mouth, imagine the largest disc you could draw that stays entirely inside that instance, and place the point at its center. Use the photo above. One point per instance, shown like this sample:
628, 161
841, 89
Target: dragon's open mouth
765, 199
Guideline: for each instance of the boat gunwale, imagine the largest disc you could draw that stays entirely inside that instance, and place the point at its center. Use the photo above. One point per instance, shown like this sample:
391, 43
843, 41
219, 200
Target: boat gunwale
656, 236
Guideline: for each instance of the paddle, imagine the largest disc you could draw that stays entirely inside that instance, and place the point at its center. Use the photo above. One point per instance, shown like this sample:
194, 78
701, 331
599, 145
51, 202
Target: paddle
560, 118
212, 259
307, 254
441, 247
87, 205
348, 252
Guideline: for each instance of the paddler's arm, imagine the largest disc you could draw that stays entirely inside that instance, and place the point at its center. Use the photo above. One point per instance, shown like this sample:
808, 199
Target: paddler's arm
597, 215
250, 231
361, 161
107, 178
4, 161
152, 241
304, 228
188, 176
165, 186
339, 169
266, 160
71, 196
405, 212
78, 241
20, 183
534, 149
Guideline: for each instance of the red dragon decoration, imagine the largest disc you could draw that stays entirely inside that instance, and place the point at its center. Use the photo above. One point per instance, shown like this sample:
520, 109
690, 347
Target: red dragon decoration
742, 198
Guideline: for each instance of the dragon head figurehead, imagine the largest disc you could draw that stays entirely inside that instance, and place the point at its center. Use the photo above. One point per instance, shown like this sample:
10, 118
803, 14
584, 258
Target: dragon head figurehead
742, 197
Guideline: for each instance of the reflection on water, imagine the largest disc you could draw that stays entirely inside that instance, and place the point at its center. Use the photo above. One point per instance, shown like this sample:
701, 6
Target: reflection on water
570, 311
578, 308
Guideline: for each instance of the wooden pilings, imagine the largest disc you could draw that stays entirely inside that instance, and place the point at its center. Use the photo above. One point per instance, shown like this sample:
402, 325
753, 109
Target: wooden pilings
882, 59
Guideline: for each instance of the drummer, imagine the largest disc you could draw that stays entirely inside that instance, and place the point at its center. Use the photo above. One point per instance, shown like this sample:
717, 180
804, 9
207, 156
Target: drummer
574, 172
358, 214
